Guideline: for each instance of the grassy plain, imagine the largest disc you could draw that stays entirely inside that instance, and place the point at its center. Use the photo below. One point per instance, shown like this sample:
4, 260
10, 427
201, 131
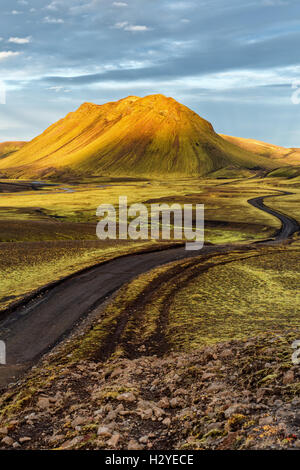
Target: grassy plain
49, 233
238, 300
27, 266
290, 204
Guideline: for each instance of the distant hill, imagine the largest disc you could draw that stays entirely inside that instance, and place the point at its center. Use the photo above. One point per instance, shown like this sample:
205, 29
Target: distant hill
281, 155
7, 148
153, 136
287, 172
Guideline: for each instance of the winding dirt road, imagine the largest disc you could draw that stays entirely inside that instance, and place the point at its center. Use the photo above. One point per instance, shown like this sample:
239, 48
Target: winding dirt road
37, 325
289, 226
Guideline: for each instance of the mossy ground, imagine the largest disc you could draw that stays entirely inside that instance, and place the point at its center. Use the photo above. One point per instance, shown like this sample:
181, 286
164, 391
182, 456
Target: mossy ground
238, 300
207, 300
49, 233
26, 267
226, 320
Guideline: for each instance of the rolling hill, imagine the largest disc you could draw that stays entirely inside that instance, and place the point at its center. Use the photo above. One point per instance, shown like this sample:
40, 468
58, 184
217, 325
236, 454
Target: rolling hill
7, 148
281, 155
154, 136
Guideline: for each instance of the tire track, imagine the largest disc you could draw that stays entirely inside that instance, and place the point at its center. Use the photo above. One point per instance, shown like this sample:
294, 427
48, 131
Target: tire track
134, 346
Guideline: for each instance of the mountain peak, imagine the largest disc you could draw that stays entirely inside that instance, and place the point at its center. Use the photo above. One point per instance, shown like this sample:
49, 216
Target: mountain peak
86, 106
155, 99
152, 136
130, 98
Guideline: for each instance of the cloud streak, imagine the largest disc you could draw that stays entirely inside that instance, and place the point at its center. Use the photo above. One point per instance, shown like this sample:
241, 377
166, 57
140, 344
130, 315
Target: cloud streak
7, 54
16, 40
51, 20
131, 27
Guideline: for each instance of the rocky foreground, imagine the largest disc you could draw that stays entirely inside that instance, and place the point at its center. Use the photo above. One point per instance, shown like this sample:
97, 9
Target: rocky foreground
237, 395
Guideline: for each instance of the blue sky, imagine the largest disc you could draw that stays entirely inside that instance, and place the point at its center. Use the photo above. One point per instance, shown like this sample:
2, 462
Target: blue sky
235, 62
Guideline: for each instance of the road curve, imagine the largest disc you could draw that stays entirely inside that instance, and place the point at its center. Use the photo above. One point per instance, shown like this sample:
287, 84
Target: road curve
289, 226
37, 325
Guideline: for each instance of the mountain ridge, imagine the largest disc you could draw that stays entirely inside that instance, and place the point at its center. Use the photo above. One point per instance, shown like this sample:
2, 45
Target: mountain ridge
284, 155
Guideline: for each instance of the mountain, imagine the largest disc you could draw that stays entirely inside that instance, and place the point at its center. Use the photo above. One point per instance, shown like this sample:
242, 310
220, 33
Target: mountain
154, 136
7, 148
281, 155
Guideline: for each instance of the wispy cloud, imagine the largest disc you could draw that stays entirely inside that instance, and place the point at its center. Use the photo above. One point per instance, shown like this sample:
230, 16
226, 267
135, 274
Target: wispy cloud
120, 4
137, 28
130, 27
16, 40
6, 54
180, 5
58, 89
53, 6
274, 3
51, 20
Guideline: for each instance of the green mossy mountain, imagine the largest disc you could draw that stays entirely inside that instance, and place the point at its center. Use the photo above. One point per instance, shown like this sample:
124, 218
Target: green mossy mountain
154, 136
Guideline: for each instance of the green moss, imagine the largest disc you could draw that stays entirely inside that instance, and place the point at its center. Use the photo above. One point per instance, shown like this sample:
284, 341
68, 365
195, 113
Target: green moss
235, 422
268, 378
213, 433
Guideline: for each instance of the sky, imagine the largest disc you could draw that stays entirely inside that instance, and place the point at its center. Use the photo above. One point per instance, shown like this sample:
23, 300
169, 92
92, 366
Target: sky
235, 62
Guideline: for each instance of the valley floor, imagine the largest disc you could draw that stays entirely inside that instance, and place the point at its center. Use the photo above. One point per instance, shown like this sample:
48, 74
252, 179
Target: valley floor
196, 354
218, 379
